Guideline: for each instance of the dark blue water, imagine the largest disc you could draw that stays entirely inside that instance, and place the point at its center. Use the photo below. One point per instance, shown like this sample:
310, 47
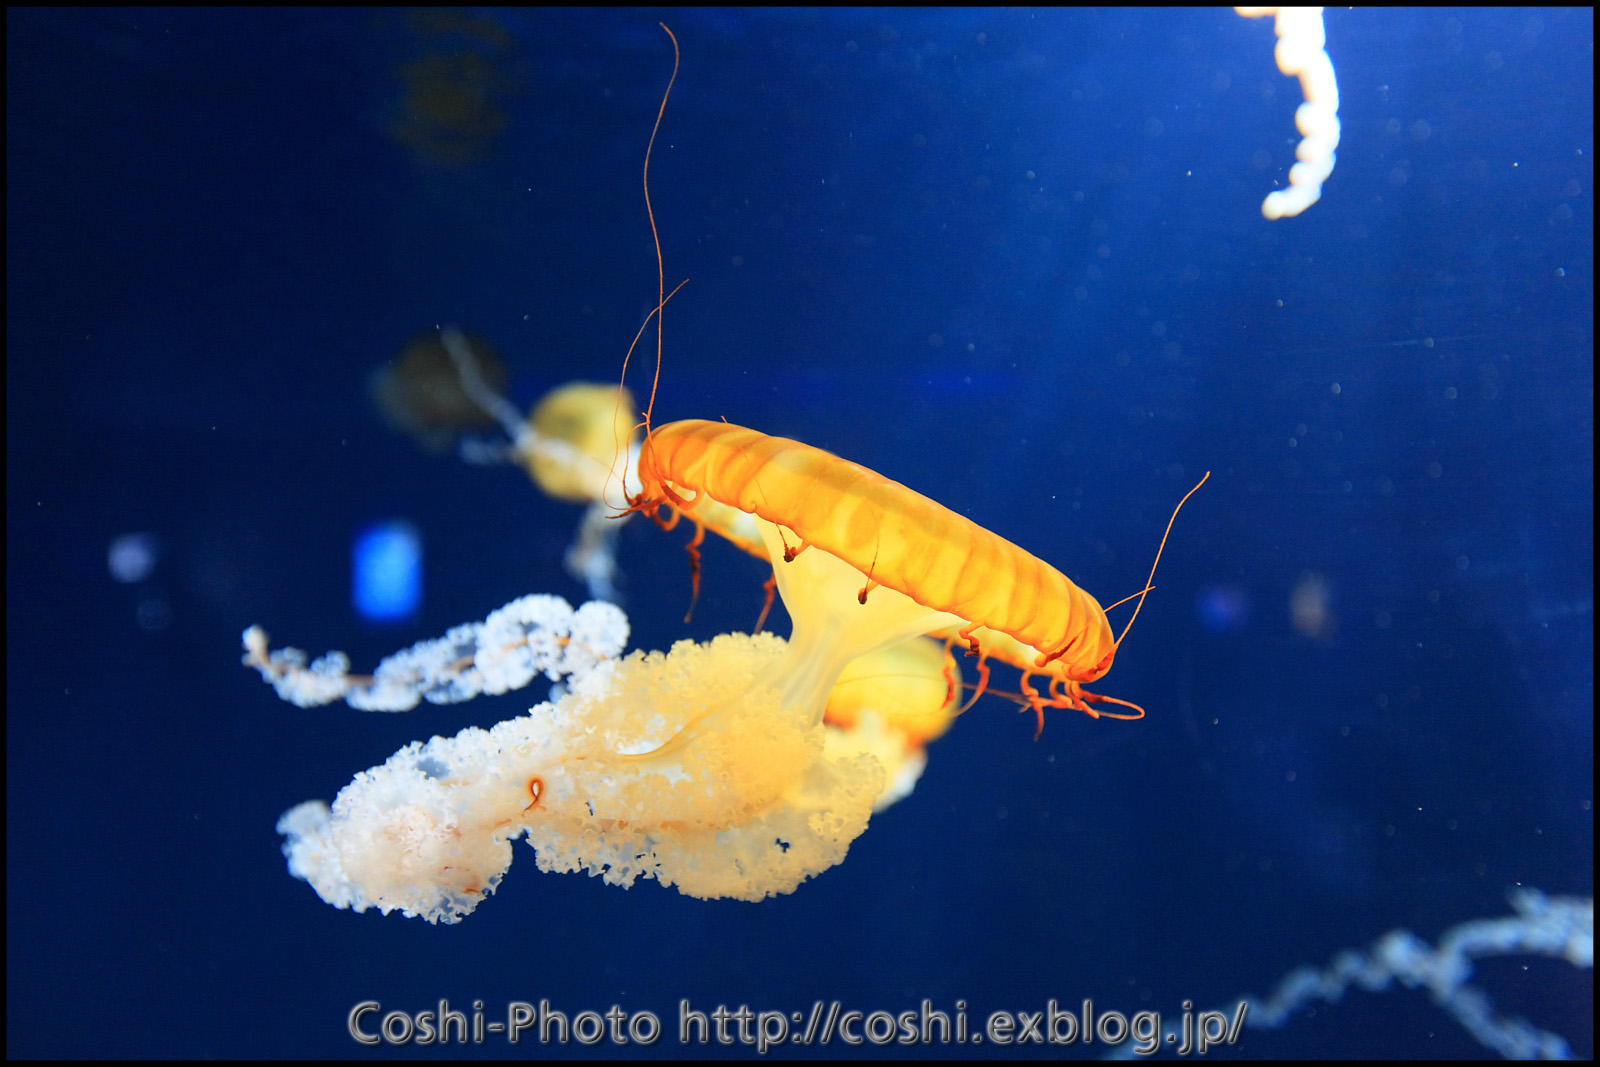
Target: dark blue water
1014, 260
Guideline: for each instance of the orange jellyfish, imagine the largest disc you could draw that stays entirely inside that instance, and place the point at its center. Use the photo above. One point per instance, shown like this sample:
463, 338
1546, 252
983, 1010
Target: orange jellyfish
706, 768
867, 562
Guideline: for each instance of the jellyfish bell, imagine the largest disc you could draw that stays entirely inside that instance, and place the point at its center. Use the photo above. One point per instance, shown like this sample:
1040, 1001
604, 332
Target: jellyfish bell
863, 562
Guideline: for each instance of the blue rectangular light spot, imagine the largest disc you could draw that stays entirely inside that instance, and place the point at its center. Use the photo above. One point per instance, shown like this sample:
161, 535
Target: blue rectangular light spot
387, 571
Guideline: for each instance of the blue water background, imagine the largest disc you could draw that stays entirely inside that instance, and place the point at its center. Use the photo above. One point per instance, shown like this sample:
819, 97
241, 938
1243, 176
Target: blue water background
1012, 259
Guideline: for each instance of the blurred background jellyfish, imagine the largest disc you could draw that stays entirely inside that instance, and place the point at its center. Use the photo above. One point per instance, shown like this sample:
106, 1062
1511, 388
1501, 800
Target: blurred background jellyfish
450, 107
420, 392
1311, 607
